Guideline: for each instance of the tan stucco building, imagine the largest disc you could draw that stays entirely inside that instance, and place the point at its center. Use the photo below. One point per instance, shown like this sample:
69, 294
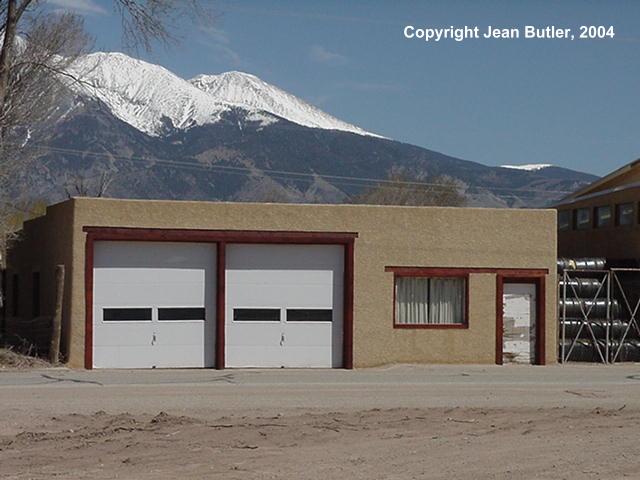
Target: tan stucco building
177, 283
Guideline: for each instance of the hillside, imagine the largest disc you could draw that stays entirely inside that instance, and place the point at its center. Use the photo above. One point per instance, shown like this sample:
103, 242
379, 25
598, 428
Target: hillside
235, 137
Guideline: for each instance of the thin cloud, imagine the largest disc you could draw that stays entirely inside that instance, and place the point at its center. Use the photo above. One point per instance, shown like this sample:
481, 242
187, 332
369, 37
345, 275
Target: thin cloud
320, 54
320, 100
218, 41
216, 34
86, 7
309, 15
372, 86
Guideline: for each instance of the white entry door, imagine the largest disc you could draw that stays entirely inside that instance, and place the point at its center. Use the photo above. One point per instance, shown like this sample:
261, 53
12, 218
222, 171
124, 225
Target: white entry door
154, 304
519, 323
284, 305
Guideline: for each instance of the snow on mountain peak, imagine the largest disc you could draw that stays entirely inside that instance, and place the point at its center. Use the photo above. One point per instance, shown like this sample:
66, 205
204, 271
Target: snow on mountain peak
144, 95
530, 167
152, 99
250, 91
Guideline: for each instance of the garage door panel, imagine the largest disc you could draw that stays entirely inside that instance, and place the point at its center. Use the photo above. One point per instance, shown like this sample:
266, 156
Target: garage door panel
152, 281
271, 296
309, 357
154, 275
309, 334
282, 277
181, 333
149, 255
254, 356
133, 356
116, 356
124, 334
285, 277
152, 294
176, 356
135, 274
244, 296
285, 257
246, 336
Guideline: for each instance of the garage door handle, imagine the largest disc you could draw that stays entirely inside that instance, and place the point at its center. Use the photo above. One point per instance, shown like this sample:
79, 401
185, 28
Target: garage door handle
153, 339
282, 339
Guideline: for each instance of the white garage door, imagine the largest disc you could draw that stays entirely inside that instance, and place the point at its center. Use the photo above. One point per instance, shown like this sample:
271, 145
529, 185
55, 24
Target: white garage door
284, 305
154, 304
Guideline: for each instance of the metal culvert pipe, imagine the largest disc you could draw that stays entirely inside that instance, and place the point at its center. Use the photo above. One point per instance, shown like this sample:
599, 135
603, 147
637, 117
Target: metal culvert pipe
630, 351
599, 327
584, 287
585, 351
595, 308
581, 264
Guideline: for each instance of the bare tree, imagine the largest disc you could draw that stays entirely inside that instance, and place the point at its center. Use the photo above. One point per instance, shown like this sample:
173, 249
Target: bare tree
143, 21
49, 45
36, 49
79, 185
401, 189
146, 21
12, 216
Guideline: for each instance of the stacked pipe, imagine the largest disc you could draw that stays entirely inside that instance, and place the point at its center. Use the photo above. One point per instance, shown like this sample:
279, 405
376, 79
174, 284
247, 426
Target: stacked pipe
581, 264
584, 351
590, 319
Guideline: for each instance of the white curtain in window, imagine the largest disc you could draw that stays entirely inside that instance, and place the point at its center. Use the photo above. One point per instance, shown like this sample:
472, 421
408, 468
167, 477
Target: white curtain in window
446, 298
412, 300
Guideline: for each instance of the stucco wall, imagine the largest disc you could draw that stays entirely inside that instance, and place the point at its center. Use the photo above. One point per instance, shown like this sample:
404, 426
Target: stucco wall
388, 236
43, 243
376, 342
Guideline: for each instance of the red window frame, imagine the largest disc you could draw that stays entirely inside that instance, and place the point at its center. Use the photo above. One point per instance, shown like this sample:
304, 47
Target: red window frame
432, 273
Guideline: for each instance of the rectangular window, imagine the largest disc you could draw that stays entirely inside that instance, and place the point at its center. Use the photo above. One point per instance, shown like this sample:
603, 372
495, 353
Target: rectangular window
582, 218
256, 314
126, 314
15, 294
35, 292
309, 315
182, 313
603, 216
564, 219
624, 214
433, 301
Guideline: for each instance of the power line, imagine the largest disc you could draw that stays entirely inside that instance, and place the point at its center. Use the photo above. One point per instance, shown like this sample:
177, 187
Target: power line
282, 172
246, 171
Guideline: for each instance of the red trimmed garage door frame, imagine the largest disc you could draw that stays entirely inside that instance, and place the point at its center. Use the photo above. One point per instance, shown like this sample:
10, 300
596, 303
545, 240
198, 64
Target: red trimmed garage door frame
221, 238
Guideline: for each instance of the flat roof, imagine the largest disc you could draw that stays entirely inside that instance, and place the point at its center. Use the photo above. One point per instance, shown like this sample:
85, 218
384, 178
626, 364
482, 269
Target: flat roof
302, 205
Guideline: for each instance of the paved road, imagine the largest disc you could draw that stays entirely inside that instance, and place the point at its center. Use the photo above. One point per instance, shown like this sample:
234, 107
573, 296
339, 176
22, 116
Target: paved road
199, 392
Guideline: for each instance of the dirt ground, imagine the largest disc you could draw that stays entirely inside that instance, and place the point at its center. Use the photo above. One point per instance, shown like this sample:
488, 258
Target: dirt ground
433, 443
445, 422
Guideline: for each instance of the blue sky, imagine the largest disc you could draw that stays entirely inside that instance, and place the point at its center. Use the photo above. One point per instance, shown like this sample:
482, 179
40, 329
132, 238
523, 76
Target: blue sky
570, 103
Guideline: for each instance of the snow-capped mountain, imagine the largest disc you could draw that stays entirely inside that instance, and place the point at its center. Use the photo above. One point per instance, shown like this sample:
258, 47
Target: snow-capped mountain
235, 137
146, 96
156, 101
529, 167
251, 92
